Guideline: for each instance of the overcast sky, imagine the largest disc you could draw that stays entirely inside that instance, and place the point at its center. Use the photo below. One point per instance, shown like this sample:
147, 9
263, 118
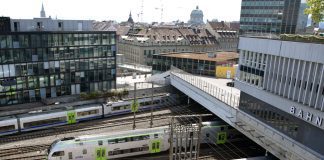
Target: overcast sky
227, 10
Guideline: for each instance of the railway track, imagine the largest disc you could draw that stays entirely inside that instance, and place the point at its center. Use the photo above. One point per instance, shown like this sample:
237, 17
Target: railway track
79, 127
22, 150
40, 150
30, 157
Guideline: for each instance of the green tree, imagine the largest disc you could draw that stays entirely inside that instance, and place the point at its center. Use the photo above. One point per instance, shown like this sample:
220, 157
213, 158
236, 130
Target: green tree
316, 9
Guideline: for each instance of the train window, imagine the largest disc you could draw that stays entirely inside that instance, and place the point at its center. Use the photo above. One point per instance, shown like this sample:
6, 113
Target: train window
84, 151
222, 128
207, 135
156, 136
115, 108
121, 140
136, 138
111, 141
126, 151
7, 128
86, 113
157, 145
103, 154
134, 150
145, 148
146, 137
45, 121
70, 155
100, 143
58, 154
110, 153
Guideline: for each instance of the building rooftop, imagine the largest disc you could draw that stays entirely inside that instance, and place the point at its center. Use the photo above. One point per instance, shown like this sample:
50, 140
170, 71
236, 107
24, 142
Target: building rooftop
220, 56
219, 25
195, 36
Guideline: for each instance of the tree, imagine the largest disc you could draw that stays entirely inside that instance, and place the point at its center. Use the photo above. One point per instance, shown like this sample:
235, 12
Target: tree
316, 9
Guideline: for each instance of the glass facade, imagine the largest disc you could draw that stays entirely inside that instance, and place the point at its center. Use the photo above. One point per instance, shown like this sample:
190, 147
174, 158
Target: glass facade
293, 127
37, 65
269, 16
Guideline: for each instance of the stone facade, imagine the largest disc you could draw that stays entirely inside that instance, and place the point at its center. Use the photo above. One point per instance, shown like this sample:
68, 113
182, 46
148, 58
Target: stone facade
139, 48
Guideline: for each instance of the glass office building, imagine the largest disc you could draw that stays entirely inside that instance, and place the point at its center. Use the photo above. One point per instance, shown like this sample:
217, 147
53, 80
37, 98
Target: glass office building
269, 16
38, 65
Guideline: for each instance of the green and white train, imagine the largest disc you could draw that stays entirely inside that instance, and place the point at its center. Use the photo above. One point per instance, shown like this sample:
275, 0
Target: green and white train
134, 142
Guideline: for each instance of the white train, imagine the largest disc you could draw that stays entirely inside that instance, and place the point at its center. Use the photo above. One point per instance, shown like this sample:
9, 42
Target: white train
41, 120
133, 142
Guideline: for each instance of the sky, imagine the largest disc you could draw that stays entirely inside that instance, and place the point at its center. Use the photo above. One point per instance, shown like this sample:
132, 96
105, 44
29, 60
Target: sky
223, 10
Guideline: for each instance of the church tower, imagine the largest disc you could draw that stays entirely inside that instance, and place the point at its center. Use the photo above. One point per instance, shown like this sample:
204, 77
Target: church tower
130, 19
42, 12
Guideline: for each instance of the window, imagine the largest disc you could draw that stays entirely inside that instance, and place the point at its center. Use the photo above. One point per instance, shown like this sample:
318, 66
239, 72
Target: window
58, 154
6, 128
86, 113
70, 155
39, 25
157, 145
46, 121
16, 26
156, 136
60, 25
111, 141
84, 151
100, 143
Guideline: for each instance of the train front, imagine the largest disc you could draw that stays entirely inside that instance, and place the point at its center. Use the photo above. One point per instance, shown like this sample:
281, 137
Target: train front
56, 149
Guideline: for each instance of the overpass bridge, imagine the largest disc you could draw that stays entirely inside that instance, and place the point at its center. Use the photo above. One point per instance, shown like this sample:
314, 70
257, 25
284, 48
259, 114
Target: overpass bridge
225, 104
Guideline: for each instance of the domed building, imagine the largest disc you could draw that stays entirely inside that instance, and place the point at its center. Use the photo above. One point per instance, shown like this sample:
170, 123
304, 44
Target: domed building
196, 17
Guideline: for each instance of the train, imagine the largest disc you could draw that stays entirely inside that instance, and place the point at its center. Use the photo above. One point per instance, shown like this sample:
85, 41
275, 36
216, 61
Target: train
136, 142
70, 115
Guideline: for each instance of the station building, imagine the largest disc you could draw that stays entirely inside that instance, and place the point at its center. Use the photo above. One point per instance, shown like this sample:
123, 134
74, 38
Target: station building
282, 84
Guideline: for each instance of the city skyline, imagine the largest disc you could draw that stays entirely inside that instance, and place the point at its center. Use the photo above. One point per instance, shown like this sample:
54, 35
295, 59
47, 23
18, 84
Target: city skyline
96, 10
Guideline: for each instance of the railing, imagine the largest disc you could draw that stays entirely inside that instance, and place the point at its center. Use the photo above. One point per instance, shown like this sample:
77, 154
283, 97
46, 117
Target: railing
233, 101
209, 88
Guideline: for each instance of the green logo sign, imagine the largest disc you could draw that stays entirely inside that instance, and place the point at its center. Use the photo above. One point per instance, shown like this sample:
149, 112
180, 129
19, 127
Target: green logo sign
134, 106
71, 117
221, 137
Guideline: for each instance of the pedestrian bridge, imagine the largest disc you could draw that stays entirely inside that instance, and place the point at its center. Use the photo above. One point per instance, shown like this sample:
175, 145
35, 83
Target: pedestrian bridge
225, 104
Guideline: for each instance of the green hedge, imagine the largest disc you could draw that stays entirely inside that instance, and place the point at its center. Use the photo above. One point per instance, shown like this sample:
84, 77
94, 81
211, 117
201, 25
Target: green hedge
302, 38
110, 94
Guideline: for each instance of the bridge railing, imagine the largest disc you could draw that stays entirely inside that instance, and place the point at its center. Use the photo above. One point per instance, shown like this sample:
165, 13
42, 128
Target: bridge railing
267, 135
211, 89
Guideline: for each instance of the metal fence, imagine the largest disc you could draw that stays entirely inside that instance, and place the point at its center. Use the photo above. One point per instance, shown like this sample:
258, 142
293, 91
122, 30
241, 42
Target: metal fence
209, 88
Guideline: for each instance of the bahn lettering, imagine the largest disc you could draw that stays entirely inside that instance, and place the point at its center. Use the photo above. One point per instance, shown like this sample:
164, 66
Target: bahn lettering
306, 116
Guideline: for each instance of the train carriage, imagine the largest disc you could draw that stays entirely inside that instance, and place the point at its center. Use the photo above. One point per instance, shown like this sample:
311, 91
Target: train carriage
8, 125
125, 144
43, 120
124, 107
133, 142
